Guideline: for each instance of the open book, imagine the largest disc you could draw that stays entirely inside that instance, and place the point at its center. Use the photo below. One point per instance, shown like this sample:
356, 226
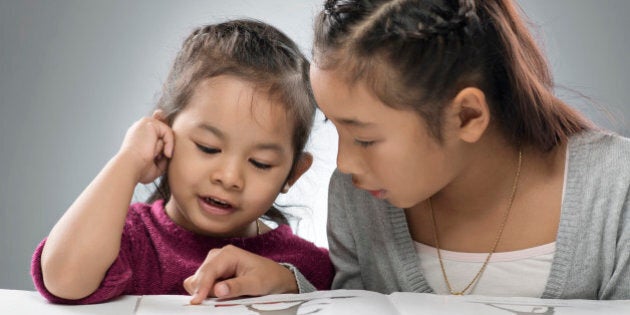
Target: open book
356, 302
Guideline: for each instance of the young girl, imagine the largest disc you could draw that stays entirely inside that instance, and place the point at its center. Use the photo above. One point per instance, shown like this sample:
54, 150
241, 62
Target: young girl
459, 170
228, 135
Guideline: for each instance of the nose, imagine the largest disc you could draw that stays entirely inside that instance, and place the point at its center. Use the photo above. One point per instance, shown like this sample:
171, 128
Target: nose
347, 159
228, 174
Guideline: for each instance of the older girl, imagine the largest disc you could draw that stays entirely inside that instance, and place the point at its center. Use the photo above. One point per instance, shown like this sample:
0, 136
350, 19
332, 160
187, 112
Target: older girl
459, 170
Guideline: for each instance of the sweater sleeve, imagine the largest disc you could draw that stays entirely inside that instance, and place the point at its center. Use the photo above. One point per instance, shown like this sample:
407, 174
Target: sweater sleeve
114, 283
304, 286
618, 286
310, 265
592, 259
340, 239
613, 204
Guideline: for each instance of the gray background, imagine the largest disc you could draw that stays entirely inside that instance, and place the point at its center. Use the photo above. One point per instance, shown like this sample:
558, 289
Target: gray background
75, 74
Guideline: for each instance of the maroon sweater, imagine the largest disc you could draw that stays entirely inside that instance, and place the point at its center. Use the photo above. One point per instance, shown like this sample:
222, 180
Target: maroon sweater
156, 255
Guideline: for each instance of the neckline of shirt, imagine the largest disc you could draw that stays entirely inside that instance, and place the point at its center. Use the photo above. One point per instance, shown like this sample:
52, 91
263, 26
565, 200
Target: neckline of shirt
526, 253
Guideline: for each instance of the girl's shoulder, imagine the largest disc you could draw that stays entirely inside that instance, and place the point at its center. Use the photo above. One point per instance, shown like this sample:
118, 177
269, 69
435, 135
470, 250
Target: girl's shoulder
600, 150
147, 222
597, 169
282, 234
280, 241
147, 214
600, 140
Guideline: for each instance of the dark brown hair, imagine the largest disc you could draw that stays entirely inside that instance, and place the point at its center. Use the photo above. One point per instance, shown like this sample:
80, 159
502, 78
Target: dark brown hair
249, 50
419, 54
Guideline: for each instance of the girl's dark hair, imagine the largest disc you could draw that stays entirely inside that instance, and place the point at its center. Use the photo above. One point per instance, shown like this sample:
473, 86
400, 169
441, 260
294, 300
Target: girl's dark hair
419, 54
252, 51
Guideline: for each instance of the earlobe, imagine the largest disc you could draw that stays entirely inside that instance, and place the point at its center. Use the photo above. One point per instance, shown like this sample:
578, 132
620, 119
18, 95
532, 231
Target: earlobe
303, 164
285, 188
473, 113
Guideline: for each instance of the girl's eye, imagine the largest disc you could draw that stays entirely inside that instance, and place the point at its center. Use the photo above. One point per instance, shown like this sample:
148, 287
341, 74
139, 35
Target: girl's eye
259, 165
364, 144
207, 150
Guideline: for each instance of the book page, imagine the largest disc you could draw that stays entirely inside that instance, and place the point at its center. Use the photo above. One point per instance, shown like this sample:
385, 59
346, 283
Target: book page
423, 303
320, 303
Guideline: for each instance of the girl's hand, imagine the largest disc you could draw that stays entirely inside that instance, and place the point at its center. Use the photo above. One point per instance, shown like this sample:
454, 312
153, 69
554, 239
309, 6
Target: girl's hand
231, 272
148, 144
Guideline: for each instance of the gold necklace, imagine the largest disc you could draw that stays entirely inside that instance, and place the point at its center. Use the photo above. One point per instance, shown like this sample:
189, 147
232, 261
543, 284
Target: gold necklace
496, 241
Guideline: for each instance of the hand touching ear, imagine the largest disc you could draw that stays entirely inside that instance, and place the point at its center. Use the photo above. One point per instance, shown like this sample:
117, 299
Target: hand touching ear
149, 142
231, 272
85, 242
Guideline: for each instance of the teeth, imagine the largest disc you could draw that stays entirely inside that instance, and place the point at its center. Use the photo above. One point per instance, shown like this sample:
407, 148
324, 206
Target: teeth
217, 202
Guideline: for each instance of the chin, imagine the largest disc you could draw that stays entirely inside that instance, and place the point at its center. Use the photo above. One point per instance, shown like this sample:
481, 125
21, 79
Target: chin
395, 203
401, 203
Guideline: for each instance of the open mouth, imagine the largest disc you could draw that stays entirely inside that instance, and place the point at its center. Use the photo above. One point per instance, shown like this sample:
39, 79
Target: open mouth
214, 206
217, 203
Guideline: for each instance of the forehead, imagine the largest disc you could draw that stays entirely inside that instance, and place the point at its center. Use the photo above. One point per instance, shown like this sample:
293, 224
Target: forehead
355, 107
348, 104
238, 107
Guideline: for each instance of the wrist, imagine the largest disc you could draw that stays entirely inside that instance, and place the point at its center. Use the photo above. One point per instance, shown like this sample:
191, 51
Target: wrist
291, 284
125, 163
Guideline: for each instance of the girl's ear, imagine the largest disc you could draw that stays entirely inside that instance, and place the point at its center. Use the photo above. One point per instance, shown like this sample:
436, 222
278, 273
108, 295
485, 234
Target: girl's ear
472, 114
302, 165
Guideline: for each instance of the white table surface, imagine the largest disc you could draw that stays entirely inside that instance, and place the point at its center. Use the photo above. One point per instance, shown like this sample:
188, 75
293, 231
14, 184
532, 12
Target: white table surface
31, 302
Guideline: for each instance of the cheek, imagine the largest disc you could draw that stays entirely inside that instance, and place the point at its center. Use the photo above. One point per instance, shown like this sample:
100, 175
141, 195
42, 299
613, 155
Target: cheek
184, 166
264, 197
262, 193
402, 167
265, 185
390, 161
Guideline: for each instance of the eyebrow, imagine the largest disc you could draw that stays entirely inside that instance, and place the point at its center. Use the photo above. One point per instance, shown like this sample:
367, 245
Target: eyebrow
212, 129
354, 123
260, 146
270, 147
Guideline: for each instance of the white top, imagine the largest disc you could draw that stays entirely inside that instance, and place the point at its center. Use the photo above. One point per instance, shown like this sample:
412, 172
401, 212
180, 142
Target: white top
517, 273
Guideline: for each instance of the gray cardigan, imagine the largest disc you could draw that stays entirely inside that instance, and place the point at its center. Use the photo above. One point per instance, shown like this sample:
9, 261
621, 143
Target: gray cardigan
372, 249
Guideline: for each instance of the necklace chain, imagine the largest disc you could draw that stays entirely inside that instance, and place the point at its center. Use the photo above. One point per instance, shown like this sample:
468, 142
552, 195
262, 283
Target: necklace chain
496, 240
